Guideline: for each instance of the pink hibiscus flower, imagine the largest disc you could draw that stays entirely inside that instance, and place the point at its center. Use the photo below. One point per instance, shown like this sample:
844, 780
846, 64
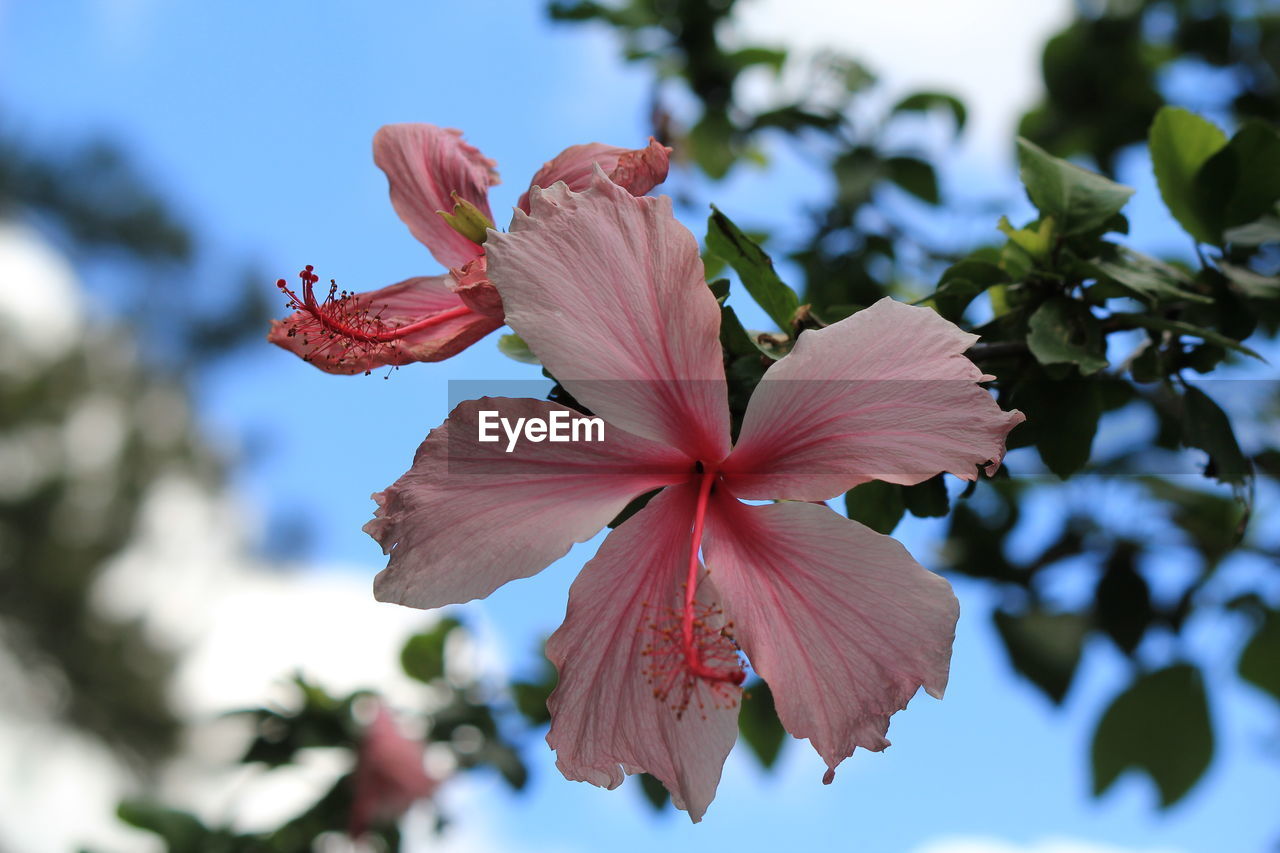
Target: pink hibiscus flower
430, 318
840, 621
389, 776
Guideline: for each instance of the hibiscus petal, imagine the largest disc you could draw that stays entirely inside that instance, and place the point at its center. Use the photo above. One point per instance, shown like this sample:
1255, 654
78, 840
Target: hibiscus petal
608, 291
374, 312
637, 170
606, 720
840, 621
425, 164
886, 394
470, 516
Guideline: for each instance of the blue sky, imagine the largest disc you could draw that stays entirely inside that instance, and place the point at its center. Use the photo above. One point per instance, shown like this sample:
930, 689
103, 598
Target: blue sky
256, 119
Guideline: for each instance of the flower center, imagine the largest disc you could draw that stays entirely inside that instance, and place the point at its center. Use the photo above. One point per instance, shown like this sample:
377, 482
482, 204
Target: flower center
345, 318
693, 644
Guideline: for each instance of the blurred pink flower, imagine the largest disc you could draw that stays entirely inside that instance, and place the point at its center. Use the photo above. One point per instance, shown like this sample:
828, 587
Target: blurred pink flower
840, 621
430, 318
389, 776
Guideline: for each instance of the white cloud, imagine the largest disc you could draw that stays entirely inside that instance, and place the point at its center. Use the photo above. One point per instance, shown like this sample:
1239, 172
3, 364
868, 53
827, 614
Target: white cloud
41, 312
1046, 845
985, 51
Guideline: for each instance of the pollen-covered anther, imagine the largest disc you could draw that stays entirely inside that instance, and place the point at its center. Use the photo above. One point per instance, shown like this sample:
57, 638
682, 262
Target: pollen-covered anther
341, 321
697, 671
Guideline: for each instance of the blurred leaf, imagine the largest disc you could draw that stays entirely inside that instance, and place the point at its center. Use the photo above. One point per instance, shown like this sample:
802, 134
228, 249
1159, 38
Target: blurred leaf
1265, 229
514, 347
1064, 331
923, 102
749, 56
423, 654
1181, 143
1122, 599
1207, 427
181, 831
876, 504
1159, 725
754, 267
1062, 418
1251, 284
1044, 647
654, 791
1260, 660
928, 499
1162, 324
1078, 199
758, 724
915, 176
712, 143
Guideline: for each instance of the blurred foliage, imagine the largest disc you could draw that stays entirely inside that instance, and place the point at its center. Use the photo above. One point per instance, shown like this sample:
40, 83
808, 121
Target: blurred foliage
1078, 330
68, 507
1109, 72
103, 211
468, 723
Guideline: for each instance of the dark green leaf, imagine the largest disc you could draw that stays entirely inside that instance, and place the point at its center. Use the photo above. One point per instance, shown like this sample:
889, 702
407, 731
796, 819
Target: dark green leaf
1078, 199
531, 701
636, 504
1044, 647
712, 142
423, 654
928, 499
182, 832
1263, 230
737, 340
876, 504
758, 723
654, 791
1260, 660
1162, 324
926, 101
1159, 725
1207, 427
1062, 418
1064, 331
915, 176
1152, 280
1122, 600
1181, 143
749, 56
1241, 182
754, 267
719, 289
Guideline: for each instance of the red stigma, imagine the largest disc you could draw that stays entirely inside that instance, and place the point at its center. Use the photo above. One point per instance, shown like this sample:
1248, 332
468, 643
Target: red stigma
347, 324
693, 645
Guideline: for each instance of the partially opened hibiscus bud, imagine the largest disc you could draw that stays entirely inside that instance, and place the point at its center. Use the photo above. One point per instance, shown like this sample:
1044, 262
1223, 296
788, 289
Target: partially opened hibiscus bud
844, 626
439, 188
389, 775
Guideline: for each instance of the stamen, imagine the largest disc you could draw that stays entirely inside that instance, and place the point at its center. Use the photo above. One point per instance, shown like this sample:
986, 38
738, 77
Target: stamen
345, 320
694, 645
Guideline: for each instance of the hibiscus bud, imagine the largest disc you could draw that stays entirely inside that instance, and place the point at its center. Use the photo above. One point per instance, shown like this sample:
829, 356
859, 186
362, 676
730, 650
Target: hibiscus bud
467, 219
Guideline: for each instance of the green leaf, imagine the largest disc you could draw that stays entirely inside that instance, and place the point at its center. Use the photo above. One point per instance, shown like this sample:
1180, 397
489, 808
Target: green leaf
1241, 182
1251, 284
711, 141
1207, 427
737, 340
754, 267
928, 499
915, 176
1162, 324
182, 832
749, 56
758, 724
876, 504
635, 505
1062, 417
1064, 331
1149, 279
1266, 229
654, 791
1035, 242
1160, 725
1078, 199
1122, 599
922, 102
423, 654
1181, 143
1260, 660
719, 289
1044, 647
514, 347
